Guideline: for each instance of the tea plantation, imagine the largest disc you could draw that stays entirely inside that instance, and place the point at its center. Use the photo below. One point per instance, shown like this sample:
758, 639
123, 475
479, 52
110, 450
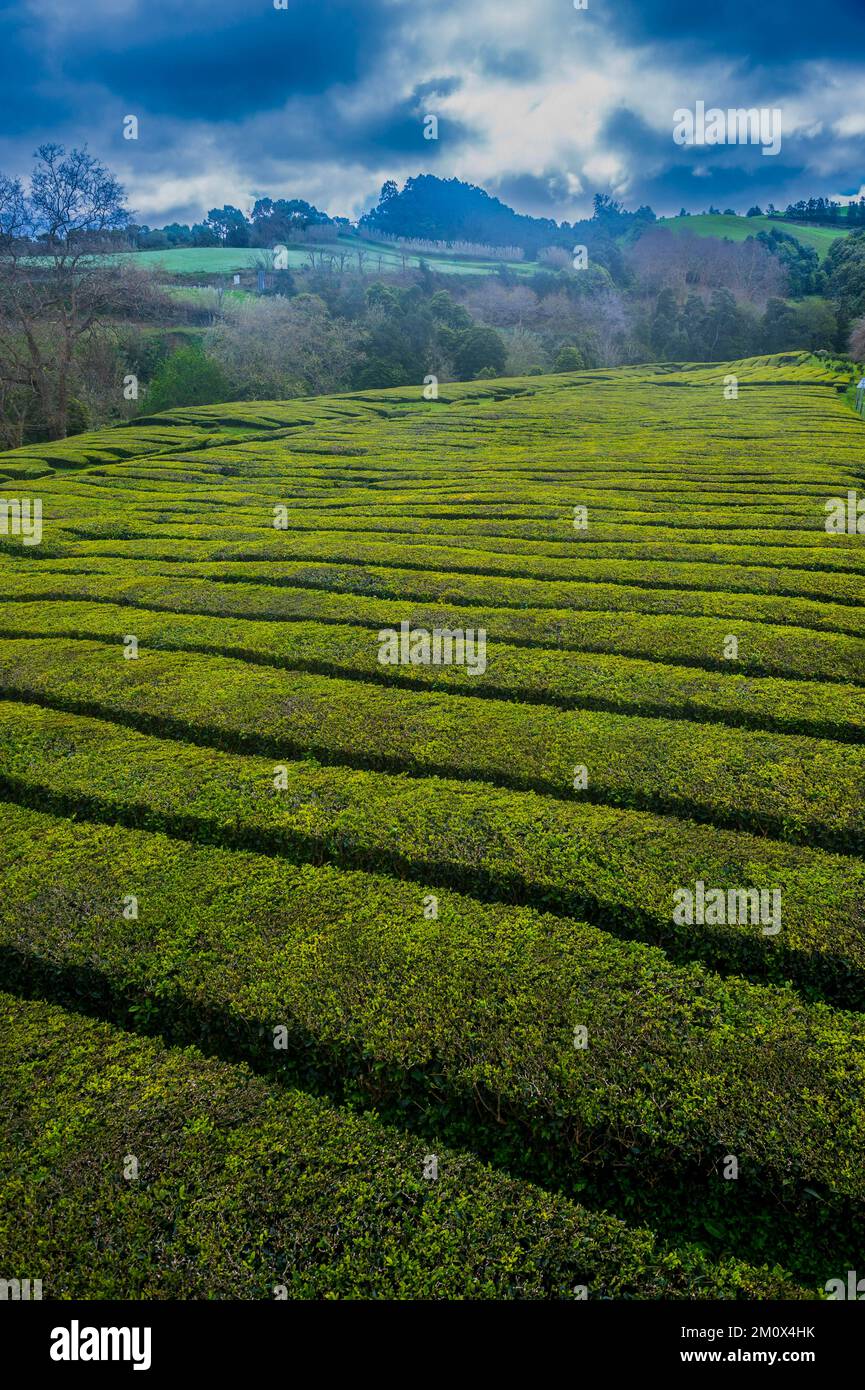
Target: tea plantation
325, 976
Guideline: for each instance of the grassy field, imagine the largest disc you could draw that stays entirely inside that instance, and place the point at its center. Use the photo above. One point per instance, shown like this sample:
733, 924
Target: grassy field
223, 260
226, 260
329, 978
738, 228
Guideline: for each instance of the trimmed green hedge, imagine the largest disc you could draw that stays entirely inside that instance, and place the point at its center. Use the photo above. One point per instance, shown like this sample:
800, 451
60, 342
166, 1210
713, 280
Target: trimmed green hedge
248, 1191
617, 868
764, 649
796, 788
459, 1029
291, 552
766, 539
464, 1025
537, 675
250, 534
670, 595
792, 522
426, 586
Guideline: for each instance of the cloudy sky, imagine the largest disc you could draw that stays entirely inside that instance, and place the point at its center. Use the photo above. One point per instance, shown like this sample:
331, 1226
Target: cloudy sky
539, 102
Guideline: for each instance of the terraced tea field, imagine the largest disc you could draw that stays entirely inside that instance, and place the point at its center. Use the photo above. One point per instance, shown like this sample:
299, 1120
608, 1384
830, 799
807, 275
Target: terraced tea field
331, 975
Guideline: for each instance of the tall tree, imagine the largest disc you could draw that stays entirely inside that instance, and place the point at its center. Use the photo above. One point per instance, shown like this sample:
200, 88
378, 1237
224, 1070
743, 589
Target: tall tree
228, 225
56, 288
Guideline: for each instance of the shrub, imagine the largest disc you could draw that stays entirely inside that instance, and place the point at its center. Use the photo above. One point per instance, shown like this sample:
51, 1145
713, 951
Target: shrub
223, 1156
478, 349
570, 359
187, 377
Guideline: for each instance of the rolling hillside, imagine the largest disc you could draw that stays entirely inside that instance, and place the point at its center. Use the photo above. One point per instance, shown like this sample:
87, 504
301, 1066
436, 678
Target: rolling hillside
329, 977
739, 228
223, 260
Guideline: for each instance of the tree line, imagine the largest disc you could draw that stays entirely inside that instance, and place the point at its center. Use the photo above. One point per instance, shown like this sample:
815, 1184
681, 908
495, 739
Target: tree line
78, 325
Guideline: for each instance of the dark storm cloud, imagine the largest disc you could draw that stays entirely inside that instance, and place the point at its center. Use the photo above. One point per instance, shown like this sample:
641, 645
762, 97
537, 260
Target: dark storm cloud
313, 130
722, 186
234, 61
544, 195
773, 33
399, 131
28, 99
331, 95
695, 177
627, 133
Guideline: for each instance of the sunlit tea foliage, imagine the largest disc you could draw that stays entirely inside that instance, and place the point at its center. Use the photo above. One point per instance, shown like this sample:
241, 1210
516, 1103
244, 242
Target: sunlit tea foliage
283, 922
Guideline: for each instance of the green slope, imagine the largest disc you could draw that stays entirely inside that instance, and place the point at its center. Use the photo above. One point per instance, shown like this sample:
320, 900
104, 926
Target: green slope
256, 825
737, 228
223, 260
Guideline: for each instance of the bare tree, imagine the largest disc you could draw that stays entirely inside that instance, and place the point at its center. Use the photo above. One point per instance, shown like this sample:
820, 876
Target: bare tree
56, 284
556, 257
501, 306
525, 351
15, 404
273, 349
683, 262
857, 340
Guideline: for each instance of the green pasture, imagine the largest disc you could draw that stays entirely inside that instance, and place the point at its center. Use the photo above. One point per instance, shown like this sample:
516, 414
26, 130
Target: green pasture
738, 228
359, 253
